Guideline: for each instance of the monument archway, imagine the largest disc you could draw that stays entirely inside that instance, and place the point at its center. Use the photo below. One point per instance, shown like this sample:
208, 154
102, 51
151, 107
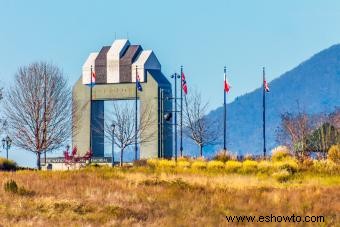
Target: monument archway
115, 69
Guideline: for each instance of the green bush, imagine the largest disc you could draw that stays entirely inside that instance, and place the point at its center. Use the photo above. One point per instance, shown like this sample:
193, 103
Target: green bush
183, 158
216, 165
152, 162
233, 166
306, 164
199, 165
334, 154
326, 166
183, 164
264, 166
7, 165
249, 166
165, 163
11, 186
289, 165
282, 175
280, 153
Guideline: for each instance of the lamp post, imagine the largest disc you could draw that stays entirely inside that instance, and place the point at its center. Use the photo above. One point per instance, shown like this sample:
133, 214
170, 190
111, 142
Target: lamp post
113, 143
6, 144
175, 76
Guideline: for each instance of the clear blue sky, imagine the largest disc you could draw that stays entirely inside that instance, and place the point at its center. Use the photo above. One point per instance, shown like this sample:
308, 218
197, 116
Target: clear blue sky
201, 35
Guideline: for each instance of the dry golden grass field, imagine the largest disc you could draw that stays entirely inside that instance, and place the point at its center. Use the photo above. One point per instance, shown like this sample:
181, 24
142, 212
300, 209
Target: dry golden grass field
150, 196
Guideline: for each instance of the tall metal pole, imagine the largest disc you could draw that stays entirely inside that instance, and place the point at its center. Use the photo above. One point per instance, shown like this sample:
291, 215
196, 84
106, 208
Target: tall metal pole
175, 76
175, 117
161, 123
264, 113
136, 109
224, 114
91, 110
113, 147
181, 145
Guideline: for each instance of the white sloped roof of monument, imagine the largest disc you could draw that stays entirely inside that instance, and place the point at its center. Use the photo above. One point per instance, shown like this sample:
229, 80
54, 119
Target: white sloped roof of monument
147, 60
86, 73
117, 48
90, 60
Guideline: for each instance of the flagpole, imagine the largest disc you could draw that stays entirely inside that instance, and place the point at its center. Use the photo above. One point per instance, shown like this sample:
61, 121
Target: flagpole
175, 117
225, 113
264, 113
175, 76
181, 129
45, 108
136, 109
91, 84
91, 109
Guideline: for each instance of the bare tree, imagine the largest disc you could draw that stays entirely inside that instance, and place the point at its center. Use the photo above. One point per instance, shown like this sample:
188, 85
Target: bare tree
198, 127
123, 118
294, 132
39, 109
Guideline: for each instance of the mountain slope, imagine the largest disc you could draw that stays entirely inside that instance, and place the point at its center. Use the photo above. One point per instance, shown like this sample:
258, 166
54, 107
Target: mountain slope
313, 86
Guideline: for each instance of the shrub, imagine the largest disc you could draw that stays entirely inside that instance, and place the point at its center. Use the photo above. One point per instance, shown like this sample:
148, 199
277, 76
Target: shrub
215, 165
280, 153
164, 163
183, 158
264, 166
11, 186
233, 166
306, 164
223, 156
199, 164
183, 164
7, 165
289, 165
152, 162
282, 175
325, 166
139, 163
249, 166
334, 154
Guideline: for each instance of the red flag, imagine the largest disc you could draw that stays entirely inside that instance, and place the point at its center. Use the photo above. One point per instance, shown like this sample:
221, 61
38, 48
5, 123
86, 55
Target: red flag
226, 84
265, 86
93, 78
184, 84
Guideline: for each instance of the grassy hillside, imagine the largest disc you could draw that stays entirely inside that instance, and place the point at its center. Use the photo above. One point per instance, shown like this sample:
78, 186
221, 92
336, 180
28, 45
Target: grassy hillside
162, 195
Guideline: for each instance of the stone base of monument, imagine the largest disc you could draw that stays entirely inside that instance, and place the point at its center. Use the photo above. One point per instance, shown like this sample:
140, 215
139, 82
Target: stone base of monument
59, 163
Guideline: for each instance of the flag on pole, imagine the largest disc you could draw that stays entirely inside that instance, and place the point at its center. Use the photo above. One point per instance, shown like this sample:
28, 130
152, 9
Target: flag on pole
226, 84
138, 84
184, 84
92, 79
265, 85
